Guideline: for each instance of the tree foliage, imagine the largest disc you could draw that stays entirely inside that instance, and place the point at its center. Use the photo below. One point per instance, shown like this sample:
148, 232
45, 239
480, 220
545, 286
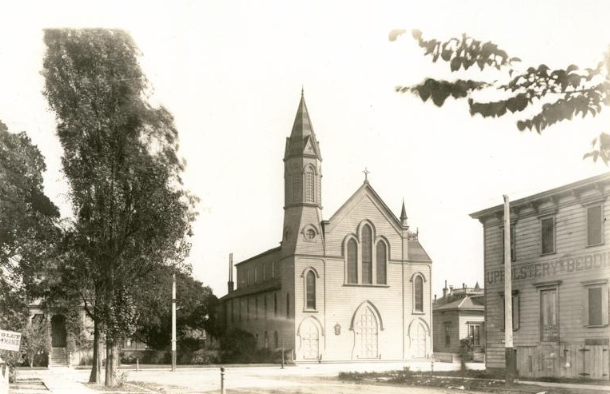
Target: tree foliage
120, 158
554, 95
195, 304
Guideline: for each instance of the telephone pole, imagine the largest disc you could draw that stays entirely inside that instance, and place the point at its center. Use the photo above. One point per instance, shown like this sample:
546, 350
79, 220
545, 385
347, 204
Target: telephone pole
510, 352
173, 322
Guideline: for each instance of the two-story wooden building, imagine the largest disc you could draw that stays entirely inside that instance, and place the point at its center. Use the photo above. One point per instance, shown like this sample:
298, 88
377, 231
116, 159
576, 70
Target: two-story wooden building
560, 248
353, 287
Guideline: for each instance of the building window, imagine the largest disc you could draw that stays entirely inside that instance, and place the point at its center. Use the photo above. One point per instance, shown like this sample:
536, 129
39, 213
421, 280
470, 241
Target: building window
266, 343
548, 235
309, 185
233, 311
287, 305
418, 289
276, 339
594, 225
296, 189
513, 243
257, 276
241, 309
382, 258
265, 305
276, 269
515, 310
250, 273
310, 285
367, 255
352, 261
596, 301
447, 334
474, 333
549, 319
248, 311
275, 304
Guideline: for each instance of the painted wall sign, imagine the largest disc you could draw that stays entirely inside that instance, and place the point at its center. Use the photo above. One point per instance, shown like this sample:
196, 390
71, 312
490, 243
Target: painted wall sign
561, 266
10, 340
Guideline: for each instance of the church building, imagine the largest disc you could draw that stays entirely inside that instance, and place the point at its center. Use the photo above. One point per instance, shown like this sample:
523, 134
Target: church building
353, 287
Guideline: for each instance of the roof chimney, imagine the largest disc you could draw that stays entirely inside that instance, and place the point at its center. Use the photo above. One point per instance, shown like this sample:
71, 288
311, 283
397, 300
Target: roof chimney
445, 290
231, 284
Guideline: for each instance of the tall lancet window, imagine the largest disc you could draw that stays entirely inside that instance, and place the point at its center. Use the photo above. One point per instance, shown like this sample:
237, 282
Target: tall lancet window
382, 258
296, 187
309, 185
419, 294
352, 261
311, 290
367, 255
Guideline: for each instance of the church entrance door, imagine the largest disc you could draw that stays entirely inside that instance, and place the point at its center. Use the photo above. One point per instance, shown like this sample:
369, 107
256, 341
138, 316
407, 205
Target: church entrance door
58, 331
418, 340
310, 338
366, 333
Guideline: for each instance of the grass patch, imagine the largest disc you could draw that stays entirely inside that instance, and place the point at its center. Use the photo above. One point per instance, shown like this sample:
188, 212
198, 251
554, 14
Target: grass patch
467, 380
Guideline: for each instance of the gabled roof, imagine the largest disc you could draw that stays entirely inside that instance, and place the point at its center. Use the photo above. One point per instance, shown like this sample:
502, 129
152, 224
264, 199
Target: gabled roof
417, 252
367, 189
302, 139
466, 303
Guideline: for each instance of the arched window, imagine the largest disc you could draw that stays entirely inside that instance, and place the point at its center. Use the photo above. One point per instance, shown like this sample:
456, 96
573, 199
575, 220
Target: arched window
382, 259
276, 339
419, 293
352, 261
287, 305
310, 280
367, 255
309, 185
296, 189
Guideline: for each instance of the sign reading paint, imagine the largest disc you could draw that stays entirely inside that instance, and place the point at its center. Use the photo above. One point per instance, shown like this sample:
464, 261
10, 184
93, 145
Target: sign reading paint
10, 340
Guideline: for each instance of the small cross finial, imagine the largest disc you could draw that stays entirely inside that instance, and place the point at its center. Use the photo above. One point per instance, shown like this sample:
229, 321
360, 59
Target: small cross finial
366, 174
302, 90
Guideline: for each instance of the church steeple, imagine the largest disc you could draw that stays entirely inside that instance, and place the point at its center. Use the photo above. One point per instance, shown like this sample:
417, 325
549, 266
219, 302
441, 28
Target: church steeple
302, 162
302, 140
302, 187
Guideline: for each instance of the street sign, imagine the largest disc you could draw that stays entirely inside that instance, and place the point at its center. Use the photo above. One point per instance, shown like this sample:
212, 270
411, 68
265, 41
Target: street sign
10, 340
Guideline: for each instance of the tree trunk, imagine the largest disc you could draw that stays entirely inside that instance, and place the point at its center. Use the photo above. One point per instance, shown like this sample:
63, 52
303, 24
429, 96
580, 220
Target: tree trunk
96, 369
112, 363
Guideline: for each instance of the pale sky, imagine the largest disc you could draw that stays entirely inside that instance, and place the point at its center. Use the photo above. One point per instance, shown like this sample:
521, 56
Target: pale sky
231, 73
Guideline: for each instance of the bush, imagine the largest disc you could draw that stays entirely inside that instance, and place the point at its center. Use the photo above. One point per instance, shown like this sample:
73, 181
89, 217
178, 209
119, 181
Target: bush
200, 357
237, 346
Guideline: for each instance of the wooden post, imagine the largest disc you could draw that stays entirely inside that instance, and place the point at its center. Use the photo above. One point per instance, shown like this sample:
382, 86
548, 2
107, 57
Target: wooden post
510, 356
173, 322
282, 352
137, 365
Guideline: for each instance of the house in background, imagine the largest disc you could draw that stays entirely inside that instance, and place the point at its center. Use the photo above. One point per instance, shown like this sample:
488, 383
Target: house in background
560, 251
457, 315
355, 287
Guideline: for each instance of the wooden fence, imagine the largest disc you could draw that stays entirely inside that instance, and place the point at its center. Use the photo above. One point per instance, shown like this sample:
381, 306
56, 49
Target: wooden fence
565, 360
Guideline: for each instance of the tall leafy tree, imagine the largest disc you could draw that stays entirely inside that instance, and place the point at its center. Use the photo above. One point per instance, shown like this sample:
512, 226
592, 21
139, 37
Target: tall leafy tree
554, 95
120, 158
28, 231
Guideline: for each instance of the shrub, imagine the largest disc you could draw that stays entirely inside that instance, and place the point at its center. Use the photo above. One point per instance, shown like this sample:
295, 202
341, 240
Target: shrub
237, 346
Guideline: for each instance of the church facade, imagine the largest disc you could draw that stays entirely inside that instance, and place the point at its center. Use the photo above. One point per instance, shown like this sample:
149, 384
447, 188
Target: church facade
354, 287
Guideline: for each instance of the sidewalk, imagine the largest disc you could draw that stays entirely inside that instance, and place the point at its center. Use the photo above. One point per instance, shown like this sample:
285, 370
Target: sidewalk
58, 381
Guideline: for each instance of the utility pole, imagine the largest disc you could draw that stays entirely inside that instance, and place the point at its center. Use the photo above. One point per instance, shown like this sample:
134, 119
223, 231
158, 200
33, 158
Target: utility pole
173, 322
510, 353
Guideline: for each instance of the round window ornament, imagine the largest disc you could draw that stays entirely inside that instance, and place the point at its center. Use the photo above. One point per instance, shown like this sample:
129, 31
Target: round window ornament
337, 329
310, 234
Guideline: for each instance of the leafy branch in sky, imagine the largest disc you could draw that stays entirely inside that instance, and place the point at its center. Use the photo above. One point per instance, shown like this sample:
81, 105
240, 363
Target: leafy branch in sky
554, 95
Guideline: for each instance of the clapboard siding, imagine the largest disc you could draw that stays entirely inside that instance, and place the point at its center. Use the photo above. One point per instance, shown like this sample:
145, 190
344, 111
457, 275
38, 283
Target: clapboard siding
567, 269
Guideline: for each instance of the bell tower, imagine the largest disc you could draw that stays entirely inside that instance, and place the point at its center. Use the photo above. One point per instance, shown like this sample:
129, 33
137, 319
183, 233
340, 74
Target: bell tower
302, 187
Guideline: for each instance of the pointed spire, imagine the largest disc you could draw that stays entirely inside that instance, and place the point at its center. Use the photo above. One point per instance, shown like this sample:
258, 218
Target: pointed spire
403, 215
477, 287
302, 138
